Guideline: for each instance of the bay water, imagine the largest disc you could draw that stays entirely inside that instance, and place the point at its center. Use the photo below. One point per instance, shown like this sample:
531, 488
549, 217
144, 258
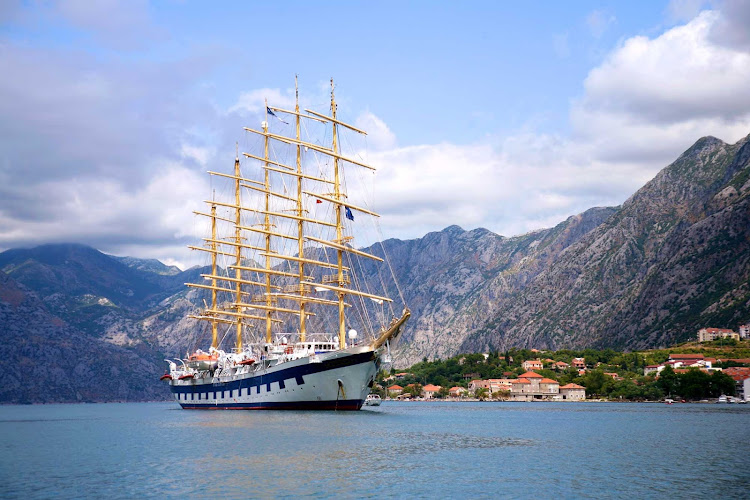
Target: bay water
397, 450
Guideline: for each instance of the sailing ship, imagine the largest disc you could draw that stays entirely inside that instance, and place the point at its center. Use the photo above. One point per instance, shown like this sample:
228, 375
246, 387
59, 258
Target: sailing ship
291, 281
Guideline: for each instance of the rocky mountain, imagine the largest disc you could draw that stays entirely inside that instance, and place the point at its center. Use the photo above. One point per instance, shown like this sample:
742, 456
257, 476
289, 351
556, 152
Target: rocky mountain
674, 257
46, 360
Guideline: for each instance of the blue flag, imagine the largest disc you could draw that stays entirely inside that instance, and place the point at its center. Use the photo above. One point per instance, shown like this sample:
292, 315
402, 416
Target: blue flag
268, 110
349, 214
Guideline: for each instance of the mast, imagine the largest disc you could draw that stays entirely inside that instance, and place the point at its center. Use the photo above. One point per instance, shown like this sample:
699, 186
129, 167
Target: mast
267, 227
339, 222
214, 329
238, 251
300, 249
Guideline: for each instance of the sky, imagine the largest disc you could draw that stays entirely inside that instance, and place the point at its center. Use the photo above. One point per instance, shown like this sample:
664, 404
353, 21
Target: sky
510, 116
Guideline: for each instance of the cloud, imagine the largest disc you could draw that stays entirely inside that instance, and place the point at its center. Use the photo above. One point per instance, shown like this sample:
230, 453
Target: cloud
113, 154
732, 28
379, 135
254, 101
122, 24
684, 10
647, 102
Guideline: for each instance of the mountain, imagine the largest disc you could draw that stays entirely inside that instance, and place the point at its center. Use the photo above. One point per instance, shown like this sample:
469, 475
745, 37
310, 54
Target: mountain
673, 258
46, 360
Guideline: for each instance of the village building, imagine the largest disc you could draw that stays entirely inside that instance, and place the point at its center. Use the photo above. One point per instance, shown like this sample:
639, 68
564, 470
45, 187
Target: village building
560, 366
572, 392
532, 364
579, 363
532, 386
741, 376
456, 392
479, 384
395, 390
430, 390
709, 334
652, 369
744, 331
613, 375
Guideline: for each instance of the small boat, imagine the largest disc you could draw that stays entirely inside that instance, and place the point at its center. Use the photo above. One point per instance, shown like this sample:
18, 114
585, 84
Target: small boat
722, 399
372, 400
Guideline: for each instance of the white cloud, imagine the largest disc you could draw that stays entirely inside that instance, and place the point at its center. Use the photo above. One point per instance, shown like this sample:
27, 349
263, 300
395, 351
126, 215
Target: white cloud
379, 135
684, 10
642, 107
254, 101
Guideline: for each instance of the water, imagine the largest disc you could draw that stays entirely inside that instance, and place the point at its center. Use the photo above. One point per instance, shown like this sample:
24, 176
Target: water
463, 450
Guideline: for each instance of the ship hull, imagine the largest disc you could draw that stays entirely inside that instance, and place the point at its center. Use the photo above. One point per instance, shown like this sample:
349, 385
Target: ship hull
339, 380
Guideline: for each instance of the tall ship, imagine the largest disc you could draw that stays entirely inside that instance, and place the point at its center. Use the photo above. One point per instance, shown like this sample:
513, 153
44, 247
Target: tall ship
299, 318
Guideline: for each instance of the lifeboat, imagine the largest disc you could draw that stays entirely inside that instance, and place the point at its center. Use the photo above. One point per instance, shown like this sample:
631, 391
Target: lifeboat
186, 376
166, 376
200, 360
246, 362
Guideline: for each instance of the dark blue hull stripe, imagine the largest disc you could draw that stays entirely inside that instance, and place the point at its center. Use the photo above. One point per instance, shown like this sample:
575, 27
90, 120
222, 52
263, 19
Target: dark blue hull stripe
295, 374
348, 404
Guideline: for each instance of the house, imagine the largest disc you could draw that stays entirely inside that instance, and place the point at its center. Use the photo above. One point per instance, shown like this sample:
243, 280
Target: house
470, 376
684, 358
744, 331
741, 376
652, 369
613, 375
573, 392
532, 364
579, 363
708, 334
479, 384
500, 384
456, 392
430, 390
395, 390
560, 366
532, 386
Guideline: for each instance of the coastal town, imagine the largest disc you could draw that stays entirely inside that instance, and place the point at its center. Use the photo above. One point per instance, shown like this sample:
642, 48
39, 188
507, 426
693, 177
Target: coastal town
721, 373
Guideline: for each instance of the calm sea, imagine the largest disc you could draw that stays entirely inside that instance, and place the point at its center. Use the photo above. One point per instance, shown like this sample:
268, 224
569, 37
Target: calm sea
461, 450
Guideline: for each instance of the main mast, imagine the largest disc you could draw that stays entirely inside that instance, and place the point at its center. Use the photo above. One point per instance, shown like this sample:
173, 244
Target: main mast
267, 227
339, 223
300, 214
238, 252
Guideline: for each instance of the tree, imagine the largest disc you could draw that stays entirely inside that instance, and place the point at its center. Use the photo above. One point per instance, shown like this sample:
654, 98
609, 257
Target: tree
721, 383
443, 392
667, 381
415, 390
481, 393
501, 394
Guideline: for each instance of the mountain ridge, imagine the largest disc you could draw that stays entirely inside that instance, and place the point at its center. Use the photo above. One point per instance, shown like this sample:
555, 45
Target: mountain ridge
674, 256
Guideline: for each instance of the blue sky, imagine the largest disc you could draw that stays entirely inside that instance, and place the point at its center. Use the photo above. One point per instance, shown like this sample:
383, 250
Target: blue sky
528, 111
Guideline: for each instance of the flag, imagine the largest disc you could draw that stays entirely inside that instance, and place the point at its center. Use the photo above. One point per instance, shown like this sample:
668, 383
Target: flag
349, 214
318, 201
268, 110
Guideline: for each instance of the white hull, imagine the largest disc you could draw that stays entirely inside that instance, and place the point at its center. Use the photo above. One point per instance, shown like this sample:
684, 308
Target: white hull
335, 380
